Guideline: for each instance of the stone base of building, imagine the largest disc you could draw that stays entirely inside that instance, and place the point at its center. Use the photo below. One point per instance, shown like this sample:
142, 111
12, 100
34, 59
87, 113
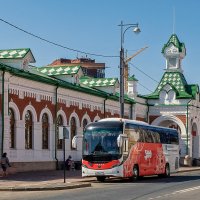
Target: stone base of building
32, 166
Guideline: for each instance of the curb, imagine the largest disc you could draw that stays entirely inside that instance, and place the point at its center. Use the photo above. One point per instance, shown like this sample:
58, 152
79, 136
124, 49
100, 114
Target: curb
45, 188
189, 170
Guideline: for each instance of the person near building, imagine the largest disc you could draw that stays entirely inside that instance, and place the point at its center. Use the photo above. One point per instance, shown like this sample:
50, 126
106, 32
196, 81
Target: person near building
69, 163
5, 163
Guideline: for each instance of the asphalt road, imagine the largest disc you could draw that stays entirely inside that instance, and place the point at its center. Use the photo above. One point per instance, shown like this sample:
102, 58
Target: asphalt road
178, 186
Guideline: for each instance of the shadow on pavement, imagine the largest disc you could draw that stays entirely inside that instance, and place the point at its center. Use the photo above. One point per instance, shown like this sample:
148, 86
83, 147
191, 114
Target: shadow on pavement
42, 176
156, 179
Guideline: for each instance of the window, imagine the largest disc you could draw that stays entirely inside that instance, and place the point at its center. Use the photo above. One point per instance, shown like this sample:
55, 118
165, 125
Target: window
172, 63
174, 138
45, 131
84, 123
100, 73
12, 128
59, 123
171, 95
73, 129
28, 130
148, 136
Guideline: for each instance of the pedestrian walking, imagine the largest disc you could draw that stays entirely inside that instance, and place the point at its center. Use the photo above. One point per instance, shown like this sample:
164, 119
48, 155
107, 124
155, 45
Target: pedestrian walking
5, 163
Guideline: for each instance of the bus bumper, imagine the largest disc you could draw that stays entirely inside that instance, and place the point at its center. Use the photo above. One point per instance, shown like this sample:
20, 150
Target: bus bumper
115, 171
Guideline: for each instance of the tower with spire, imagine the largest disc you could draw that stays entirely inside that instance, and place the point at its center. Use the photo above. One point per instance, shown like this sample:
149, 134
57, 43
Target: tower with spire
173, 85
174, 51
175, 103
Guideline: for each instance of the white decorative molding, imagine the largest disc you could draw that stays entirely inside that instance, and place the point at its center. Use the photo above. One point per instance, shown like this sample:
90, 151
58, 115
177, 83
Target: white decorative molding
97, 118
33, 111
48, 112
173, 118
13, 106
85, 116
62, 113
38, 98
76, 117
21, 94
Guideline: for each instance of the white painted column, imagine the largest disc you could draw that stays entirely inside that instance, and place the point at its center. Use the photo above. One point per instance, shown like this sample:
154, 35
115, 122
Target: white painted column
37, 137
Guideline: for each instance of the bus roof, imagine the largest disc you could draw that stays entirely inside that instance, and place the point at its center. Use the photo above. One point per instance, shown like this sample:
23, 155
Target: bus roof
122, 120
132, 121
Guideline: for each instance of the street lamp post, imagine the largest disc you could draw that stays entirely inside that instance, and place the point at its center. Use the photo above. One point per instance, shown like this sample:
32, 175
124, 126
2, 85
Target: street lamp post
136, 30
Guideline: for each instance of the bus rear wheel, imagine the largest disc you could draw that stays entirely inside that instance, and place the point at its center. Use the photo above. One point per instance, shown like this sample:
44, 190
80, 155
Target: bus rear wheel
167, 171
101, 178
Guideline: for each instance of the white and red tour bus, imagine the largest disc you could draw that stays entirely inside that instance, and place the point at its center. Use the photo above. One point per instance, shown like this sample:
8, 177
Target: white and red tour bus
115, 147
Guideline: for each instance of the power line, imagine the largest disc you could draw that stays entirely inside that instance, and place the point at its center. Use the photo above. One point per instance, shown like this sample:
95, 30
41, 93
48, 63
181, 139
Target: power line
144, 73
145, 87
56, 44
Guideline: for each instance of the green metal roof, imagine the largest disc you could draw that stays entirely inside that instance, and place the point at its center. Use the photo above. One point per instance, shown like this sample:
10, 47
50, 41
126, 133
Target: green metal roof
59, 70
177, 81
175, 41
98, 82
13, 53
126, 97
39, 77
132, 78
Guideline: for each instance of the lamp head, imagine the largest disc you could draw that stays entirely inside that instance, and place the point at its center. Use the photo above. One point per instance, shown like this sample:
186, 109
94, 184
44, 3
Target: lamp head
136, 30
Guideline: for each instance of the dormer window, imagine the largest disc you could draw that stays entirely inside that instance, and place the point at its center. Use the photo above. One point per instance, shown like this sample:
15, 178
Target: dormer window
172, 63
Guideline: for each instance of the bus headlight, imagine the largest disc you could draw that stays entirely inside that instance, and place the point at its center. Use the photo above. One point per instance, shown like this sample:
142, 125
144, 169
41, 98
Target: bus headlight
116, 165
84, 166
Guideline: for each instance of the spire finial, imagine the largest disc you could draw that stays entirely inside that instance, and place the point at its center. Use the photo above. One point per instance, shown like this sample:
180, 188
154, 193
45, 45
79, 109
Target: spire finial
174, 13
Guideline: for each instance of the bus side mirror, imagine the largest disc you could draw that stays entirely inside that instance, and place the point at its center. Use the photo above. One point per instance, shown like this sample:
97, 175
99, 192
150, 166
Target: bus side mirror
119, 140
75, 140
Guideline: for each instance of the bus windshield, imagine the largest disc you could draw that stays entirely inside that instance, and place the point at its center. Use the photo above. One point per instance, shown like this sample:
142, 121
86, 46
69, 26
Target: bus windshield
101, 142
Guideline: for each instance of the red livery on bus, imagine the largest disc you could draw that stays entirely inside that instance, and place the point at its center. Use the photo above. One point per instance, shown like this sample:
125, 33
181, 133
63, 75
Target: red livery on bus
115, 147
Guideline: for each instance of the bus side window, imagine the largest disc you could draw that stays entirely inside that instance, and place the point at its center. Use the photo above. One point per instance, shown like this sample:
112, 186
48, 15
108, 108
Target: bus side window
174, 138
148, 136
156, 137
163, 139
142, 134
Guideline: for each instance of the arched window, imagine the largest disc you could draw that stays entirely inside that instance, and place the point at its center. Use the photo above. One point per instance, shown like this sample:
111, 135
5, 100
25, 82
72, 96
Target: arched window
171, 95
59, 123
28, 130
45, 131
85, 122
73, 129
12, 128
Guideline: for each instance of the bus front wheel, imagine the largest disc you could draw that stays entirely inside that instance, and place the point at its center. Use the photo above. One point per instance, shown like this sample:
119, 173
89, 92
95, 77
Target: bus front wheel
135, 172
101, 178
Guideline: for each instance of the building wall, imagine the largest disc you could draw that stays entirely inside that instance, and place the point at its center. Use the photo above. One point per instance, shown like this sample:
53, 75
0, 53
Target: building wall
22, 94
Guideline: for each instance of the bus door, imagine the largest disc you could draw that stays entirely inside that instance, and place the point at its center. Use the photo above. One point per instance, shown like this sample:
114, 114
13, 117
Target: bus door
125, 148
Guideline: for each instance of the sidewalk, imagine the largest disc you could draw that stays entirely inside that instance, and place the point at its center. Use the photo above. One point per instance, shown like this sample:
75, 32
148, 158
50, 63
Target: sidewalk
52, 180
44, 180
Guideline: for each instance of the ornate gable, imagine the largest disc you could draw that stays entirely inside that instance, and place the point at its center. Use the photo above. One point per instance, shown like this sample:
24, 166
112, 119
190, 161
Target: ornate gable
176, 81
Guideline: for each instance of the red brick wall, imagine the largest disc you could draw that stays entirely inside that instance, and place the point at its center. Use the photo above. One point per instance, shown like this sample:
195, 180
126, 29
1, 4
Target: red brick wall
39, 106
141, 119
152, 118
183, 118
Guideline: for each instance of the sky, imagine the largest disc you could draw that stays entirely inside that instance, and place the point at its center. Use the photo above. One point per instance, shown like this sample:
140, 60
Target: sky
91, 26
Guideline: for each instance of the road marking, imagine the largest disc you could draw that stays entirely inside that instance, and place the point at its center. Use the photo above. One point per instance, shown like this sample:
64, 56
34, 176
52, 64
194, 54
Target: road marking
177, 192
